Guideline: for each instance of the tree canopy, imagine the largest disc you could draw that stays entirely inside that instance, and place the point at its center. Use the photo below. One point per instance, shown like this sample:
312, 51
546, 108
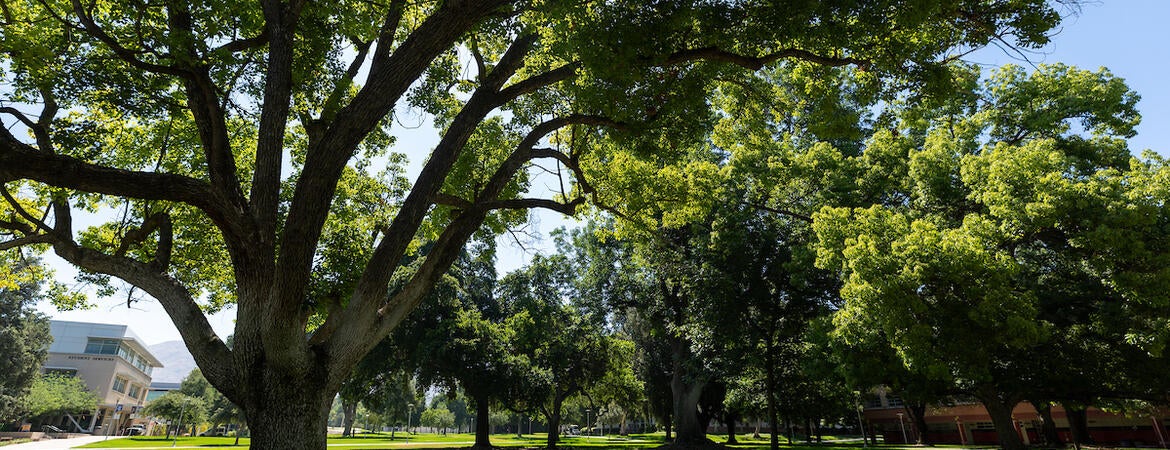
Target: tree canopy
219, 142
54, 394
1021, 229
24, 333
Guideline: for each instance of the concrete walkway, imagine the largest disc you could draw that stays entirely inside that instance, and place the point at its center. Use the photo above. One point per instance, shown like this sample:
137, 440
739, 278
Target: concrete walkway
54, 444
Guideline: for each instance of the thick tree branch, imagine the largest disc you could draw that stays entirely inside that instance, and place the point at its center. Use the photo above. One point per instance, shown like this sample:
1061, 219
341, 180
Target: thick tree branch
568, 209
27, 240
240, 45
758, 62
280, 26
209, 351
386, 32
203, 101
451, 200
530, 85
20, 161
19, 116
371, 287
139, 234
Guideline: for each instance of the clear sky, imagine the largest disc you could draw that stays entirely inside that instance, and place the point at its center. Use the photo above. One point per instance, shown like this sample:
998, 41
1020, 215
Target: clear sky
1130, 37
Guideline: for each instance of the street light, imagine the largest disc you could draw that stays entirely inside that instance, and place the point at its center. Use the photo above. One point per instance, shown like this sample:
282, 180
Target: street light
182, 409
903, 425
861, 424
409, 412
587, 421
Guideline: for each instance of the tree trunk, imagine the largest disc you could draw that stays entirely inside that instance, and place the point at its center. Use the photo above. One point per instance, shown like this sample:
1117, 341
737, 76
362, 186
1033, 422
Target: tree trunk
1001, 416
688, 429
554, 422
917, 411
349, 414
482, 422
770, 394
730, 419
1048, 427
1078, 424
289, 415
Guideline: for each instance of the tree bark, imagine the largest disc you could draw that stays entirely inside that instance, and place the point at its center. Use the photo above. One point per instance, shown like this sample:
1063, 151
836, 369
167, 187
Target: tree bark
1000, 411
482, 422
1048, 428
689, 428
770, 394
729, 420
1078, 424
917, 411
289, 415
554, 422
349, 414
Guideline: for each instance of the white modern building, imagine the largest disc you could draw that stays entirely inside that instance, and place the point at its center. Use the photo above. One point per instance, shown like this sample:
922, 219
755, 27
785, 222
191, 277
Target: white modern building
114, 363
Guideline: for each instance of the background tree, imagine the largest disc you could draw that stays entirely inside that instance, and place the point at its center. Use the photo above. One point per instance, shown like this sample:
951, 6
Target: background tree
439, 418
223, 135
53, 395
24, 333
569, 352
1006, 186
178, 409
219, 410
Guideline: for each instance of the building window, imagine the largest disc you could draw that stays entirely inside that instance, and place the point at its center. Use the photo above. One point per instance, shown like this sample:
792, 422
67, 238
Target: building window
134, 391
120, 384
100, 346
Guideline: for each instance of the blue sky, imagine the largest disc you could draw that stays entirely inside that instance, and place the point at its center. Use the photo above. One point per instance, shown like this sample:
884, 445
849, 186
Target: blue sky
1130, 37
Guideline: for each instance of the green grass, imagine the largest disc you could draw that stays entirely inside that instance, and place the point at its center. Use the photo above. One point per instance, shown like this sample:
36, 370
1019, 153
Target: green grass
14, 441
368, 441
159, 441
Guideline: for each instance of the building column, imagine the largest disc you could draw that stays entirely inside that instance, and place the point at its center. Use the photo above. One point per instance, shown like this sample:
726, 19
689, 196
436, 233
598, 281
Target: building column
93, 420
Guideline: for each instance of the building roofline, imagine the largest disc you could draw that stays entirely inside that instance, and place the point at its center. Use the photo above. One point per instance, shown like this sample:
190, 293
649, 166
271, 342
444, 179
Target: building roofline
128, 337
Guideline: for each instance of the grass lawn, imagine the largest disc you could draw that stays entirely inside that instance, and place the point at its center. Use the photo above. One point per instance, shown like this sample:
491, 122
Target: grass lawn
368, 441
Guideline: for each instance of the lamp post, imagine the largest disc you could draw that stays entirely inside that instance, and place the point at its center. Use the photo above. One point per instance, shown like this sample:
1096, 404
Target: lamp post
861, 424
409, 412
179, 427
587, 420
903, 425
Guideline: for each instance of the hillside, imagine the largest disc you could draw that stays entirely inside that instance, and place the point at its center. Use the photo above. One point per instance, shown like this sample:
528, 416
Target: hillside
177, 361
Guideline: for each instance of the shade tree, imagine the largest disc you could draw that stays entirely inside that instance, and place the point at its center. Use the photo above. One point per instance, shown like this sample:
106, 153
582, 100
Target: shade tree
24, 333
219, 136
179, 410
52, 395
1018, 201
568, 352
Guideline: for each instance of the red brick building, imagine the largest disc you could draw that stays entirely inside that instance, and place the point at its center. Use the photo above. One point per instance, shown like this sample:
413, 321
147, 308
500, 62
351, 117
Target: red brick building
967, 422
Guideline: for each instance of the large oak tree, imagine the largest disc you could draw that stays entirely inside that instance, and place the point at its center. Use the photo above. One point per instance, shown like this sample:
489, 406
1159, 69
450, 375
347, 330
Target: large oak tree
216, 137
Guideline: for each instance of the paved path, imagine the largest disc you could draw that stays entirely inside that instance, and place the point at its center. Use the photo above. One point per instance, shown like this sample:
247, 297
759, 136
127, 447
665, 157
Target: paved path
54, 444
